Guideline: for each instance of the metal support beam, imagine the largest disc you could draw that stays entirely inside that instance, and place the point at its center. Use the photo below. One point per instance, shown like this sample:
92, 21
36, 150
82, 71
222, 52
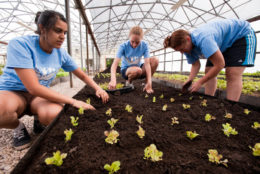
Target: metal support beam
80, 38
181, 63
164, 59
87, 49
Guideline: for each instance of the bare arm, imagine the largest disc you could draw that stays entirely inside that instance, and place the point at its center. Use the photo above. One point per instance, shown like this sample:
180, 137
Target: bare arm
194, 70
112, 83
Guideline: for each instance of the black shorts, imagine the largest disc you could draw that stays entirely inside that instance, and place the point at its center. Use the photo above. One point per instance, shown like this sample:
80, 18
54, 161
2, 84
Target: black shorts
123, 71
28, 98
241, 53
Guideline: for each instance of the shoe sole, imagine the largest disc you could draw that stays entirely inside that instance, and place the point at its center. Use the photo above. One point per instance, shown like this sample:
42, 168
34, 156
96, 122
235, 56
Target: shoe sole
19, 148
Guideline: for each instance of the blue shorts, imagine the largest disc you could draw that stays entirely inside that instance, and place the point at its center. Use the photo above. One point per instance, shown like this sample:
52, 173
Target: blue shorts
123, 71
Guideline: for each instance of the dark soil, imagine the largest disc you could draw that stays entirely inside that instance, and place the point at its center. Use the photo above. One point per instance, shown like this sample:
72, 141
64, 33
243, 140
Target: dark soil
88, 152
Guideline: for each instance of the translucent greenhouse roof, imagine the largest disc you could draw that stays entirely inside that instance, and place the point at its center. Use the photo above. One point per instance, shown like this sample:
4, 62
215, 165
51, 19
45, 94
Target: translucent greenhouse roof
112, 19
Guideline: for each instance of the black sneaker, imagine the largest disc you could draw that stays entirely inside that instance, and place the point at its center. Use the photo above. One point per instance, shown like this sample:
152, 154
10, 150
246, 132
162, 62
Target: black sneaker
37, 126
21, 139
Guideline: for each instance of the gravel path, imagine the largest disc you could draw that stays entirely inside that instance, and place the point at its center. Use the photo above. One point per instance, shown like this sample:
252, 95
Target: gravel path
10, 157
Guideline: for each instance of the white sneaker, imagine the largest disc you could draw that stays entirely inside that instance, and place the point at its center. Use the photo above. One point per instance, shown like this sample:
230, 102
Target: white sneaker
129, 84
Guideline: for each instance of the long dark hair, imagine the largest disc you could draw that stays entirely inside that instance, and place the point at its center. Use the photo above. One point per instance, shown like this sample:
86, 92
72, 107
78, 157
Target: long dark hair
48, 19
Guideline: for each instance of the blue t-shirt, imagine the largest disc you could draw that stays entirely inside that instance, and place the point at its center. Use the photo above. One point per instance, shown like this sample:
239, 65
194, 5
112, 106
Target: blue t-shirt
220, 34
25, 52
132, 56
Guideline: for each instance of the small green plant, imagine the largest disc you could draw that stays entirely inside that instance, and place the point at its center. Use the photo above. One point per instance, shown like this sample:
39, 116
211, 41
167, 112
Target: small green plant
114, 167
175, 120
146, 96
246, 111
152, 152
74, 121
214, 157
185, 106
140, 132
109, 112
191, 98
256, 149
200, 97
191, 135
164, 108
154, 99
204, 103
228, 115
128, 108
68, 134
139, 119
161, 96
112, 122
88, 101
81, 110
111, 136
172, 100
227, 129
180, 94
256, 125
209, 117
56, 159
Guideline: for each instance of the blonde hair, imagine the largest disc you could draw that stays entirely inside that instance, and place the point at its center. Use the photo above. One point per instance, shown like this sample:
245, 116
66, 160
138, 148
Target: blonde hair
177, 38
137, 31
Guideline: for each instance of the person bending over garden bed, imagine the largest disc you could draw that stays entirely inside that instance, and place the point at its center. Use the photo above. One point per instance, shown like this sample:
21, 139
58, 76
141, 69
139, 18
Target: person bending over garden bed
132, 67
32, 64
228, 43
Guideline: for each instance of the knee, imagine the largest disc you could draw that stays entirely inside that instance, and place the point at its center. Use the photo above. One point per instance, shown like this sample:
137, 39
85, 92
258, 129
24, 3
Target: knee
135, 73
154, 61
47, 115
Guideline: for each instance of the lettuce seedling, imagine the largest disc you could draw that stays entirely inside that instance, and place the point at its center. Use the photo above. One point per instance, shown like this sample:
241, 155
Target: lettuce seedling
81, 110
109, 112
112, 122
56, 159
209, 117
146, 96
214, 157
172, 100
191, 135
228, 115
256, 125
88, 101
229, 130
139, 119
74, 121
128, 108
161, 96
175, 120
68, 134
180, 94
191, 98
200, 97
114, 167
246, 111
256, 149
185, 106
111, 136
140, 132
164, 108
154, 99
152, 152
204, 103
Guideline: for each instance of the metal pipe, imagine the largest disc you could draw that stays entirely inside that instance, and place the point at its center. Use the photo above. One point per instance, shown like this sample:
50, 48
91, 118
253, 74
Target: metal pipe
87, 49
81, 58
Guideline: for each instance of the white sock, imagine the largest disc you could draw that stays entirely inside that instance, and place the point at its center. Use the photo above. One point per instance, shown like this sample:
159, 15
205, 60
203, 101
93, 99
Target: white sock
20, 126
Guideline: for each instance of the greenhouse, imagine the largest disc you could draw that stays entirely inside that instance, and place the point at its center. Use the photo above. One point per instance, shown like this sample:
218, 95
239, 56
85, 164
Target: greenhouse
129, 86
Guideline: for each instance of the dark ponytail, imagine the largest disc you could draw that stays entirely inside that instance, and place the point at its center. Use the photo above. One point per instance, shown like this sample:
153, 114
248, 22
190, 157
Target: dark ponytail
176, 39
48, 19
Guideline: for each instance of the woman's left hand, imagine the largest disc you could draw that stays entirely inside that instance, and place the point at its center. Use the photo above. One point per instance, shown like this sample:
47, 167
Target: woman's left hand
103, 94
195, 86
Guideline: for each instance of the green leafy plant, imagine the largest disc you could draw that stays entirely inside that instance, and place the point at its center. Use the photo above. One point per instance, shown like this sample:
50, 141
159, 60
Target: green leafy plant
146, 96
164, 108
200, 97
256, 125
246, 111
175, 120
256, 149
185, 106
152, 152
109, 112
56, 159
204, 103
228, 115
227, 129
112, 122
128, 108
172, 100
180, 94
214, 157
154, 99
209, 117
68, 134
74, 121
111, 136
191, 135
191, 98
88, 101
114, 167
140, 132
81, 110
139, 119
161, 96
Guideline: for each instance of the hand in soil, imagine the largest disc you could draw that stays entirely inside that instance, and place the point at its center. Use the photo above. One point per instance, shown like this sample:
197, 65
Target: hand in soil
148, 88
195, 87
78, 104
103, 94
185, 87
112, 85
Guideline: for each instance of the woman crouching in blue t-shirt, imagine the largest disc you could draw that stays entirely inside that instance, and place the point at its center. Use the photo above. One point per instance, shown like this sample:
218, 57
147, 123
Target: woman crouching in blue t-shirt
131, 53
225, 43
32, 64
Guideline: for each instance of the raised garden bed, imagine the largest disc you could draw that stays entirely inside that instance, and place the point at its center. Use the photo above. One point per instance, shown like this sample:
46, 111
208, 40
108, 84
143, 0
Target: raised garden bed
87, 152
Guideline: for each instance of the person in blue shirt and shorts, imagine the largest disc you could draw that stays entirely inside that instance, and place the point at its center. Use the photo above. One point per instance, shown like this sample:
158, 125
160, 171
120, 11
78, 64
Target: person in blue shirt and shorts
132, 67
226, 43
32, 63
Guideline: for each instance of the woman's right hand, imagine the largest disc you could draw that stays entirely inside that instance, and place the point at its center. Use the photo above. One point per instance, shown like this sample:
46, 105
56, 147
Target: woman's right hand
78, 104
112, 85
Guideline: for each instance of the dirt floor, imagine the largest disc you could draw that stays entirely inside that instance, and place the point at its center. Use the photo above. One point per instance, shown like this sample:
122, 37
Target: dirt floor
87, 152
